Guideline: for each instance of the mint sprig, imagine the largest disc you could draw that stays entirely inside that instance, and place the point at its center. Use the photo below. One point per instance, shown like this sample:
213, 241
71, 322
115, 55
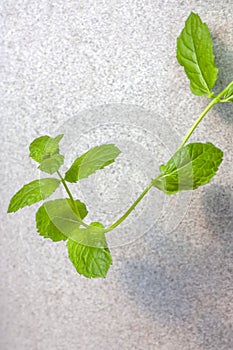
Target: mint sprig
191, 166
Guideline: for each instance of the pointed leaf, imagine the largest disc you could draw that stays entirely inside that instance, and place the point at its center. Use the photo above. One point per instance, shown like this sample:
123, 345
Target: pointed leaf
96, 158
195, 54
192, 166
32, 193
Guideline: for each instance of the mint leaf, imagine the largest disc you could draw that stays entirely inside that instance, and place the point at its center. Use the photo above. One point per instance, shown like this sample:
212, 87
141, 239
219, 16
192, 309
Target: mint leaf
229, 94
37, 148
44, 147
32, 193
92, 236
96, 158
61, 209
91, 262
192, 166
195, 54
52, 164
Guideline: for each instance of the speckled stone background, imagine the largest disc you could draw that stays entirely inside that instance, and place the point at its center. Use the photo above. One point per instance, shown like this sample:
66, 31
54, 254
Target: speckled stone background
105, 71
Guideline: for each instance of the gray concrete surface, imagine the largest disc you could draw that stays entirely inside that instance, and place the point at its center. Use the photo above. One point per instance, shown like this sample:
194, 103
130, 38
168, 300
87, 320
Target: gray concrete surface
105, 71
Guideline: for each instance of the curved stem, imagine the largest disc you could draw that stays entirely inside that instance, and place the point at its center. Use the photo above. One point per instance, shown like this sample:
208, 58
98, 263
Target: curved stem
123, 217
75, 208
142, 195
187, 136
206, 110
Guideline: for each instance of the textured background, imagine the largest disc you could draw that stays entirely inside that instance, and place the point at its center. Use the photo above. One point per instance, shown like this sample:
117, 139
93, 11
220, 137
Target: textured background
106, 71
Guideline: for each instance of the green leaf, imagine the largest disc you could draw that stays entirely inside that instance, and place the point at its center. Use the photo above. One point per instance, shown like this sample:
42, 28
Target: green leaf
195, 54
46, 218
52, 164
229, 94
192, 166
44, 147
32, 193
96, 158
92, 236
91, 262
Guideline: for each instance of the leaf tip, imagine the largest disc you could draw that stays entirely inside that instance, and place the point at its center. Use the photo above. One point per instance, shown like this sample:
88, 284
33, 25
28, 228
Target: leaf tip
9, 209
59, 137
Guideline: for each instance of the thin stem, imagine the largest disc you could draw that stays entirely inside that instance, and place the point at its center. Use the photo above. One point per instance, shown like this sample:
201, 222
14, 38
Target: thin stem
199, 119
75, 208
123, 217
187, 136
142, 195
206, 110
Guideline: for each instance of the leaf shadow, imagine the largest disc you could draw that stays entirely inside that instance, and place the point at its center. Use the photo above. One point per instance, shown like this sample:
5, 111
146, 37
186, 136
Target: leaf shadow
178, 285
224, 62
218, 209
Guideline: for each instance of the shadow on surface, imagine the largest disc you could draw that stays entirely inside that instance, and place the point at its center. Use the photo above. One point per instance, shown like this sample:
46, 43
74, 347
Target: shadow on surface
192, 286
218, 207
224, 62
184, 294
182, 285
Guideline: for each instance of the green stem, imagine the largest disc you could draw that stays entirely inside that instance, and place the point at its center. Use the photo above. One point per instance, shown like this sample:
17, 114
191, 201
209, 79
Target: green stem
187, 136
123, 217
75, 208
228, 98
206, 110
